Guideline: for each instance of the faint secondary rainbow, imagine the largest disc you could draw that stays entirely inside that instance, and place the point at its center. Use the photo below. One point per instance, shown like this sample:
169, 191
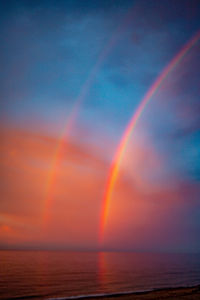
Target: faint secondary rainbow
56, 160
116, 162
62, 140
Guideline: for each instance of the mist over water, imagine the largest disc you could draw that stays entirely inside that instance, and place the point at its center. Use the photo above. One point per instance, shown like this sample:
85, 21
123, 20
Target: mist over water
54, 274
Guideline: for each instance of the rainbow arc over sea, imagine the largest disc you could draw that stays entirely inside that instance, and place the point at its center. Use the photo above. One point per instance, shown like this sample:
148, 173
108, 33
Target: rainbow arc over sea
122, 146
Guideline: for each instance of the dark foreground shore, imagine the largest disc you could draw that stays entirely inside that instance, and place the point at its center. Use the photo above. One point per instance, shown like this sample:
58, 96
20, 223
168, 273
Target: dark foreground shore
190, 293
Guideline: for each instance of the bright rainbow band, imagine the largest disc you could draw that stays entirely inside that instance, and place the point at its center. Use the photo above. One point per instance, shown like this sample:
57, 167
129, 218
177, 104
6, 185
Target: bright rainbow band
121, 149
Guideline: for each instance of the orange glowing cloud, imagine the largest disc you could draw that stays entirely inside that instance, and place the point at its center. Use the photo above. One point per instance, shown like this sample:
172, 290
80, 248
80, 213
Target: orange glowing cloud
25, 160
139, 207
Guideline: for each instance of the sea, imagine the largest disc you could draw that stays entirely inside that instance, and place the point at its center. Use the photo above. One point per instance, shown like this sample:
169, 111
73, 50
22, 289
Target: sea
74, 275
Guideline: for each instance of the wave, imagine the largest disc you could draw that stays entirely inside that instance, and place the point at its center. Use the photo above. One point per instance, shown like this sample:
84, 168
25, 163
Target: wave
88, 296
101, 295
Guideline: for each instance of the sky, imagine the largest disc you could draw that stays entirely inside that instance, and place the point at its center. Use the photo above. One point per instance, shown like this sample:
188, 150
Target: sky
73, 75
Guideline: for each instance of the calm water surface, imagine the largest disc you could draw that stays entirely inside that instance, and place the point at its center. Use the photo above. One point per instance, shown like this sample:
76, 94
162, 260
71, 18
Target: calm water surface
53, 274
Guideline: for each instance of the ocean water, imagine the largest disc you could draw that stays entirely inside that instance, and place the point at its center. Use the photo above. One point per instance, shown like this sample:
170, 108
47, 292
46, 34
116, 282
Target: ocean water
57, 274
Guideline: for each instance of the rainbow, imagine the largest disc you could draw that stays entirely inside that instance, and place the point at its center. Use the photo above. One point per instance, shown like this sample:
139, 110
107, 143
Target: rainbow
121, 149
62, 140
56, 160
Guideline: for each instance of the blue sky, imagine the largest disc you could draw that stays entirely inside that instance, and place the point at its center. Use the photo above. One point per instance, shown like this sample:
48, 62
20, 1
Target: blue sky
51, 48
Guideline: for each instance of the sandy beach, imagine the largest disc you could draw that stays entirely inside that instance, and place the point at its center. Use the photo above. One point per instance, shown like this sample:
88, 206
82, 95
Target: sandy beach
190, 293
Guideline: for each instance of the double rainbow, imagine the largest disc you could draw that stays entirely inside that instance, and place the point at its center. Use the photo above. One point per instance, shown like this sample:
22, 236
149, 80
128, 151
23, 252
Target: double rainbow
121, 149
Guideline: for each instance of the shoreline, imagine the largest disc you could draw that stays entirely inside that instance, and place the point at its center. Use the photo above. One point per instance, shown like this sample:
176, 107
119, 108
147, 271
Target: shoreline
189, 293
192, 293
